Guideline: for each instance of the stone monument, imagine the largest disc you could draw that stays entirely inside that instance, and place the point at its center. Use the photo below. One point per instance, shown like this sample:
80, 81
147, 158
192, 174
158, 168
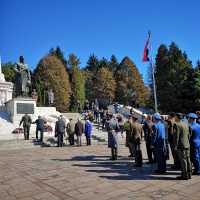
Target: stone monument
6, 88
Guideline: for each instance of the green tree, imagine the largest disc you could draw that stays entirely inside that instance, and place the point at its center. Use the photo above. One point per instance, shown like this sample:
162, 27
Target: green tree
50, 73
104, 63
59, 54
113, 65
93, 64
77, 81
8, 71
130, 85
174, 79
104, 86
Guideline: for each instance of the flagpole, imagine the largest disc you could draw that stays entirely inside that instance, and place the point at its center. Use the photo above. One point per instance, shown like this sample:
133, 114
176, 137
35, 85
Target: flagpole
152, 67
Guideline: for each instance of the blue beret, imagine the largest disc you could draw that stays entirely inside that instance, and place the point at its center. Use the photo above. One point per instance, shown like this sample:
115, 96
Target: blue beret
157, 116
192, 115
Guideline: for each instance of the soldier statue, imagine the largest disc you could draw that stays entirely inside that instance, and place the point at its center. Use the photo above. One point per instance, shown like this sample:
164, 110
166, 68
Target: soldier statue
22, 77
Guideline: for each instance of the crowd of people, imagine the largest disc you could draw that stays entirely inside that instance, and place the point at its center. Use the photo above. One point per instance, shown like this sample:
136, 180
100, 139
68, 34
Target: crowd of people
159, 133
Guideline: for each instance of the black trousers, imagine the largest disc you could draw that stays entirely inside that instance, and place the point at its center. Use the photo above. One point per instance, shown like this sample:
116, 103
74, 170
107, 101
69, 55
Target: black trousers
150, 151
71, 139
88, 139
138, 154
60, 139
41, 134
26, 132
114, 152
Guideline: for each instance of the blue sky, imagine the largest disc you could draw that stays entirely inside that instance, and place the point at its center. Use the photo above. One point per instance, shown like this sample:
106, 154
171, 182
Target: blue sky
100, 27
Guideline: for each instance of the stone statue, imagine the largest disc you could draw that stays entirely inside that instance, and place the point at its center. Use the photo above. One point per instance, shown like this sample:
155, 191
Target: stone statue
22, 77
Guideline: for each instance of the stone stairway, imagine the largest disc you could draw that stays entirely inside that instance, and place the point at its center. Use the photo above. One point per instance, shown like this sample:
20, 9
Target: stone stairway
17, 141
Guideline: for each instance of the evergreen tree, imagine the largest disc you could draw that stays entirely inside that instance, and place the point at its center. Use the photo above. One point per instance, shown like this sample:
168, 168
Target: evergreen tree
59, 54
104, 86
104, 63
93, 64
113, 65
130, 86
174, 79
50, 73
77, 82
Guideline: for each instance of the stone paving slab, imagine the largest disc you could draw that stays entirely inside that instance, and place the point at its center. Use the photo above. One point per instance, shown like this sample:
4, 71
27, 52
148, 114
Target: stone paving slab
86, 172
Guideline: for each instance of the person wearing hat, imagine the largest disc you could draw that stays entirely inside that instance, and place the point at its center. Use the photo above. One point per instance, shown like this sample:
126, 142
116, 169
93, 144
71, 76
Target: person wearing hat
182, 146
127, 129
147, 137
112, 129
70, 131
171, 122
136, 133
195, 143
158, 143
26, 120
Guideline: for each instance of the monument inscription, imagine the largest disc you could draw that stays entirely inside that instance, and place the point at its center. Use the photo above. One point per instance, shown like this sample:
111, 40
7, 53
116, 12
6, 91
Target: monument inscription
23, 108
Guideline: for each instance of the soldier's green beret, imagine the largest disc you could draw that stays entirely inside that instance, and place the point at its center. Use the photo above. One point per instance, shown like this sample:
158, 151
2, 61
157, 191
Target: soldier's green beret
179, 115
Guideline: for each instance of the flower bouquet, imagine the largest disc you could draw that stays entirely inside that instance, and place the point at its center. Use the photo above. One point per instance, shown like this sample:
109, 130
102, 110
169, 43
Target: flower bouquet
48, 128
18, 130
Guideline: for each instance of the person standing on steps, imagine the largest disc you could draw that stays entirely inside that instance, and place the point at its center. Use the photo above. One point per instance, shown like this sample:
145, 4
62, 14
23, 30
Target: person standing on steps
26, 120
112, 129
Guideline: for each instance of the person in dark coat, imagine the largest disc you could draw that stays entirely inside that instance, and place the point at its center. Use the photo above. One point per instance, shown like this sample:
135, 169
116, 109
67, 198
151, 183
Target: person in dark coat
166, 136
182, 146
128, 135
112, 128
79, 130
158, 143
26, 120
147, 137
40, 127
88, 131
59, 131
195, 143
136, 133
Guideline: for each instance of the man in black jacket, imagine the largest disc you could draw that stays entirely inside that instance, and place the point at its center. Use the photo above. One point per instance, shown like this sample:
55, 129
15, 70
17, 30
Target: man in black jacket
79, 130
59, 131
26, 120
40, 127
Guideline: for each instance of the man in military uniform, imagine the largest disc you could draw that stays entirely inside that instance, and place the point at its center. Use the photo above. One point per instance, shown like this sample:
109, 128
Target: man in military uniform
112, 128
171, 122
71, 131
182, 146
158, 143
127, 129
195, 143
147, 137
136, 132
26, 120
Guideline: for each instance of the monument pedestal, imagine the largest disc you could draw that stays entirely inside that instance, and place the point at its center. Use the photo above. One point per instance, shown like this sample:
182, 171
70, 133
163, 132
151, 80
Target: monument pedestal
17, 107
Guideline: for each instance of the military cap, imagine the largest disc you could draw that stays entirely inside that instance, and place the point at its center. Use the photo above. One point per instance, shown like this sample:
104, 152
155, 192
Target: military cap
110, 113
134, 116
183, 114
172, 114
129, 115
179, 115
157, 116
193, 116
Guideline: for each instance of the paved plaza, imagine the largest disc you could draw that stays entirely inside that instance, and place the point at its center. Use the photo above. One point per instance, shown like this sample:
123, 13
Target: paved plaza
86, 172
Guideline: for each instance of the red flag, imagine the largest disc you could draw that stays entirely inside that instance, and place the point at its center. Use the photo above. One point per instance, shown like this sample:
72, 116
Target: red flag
146, 52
